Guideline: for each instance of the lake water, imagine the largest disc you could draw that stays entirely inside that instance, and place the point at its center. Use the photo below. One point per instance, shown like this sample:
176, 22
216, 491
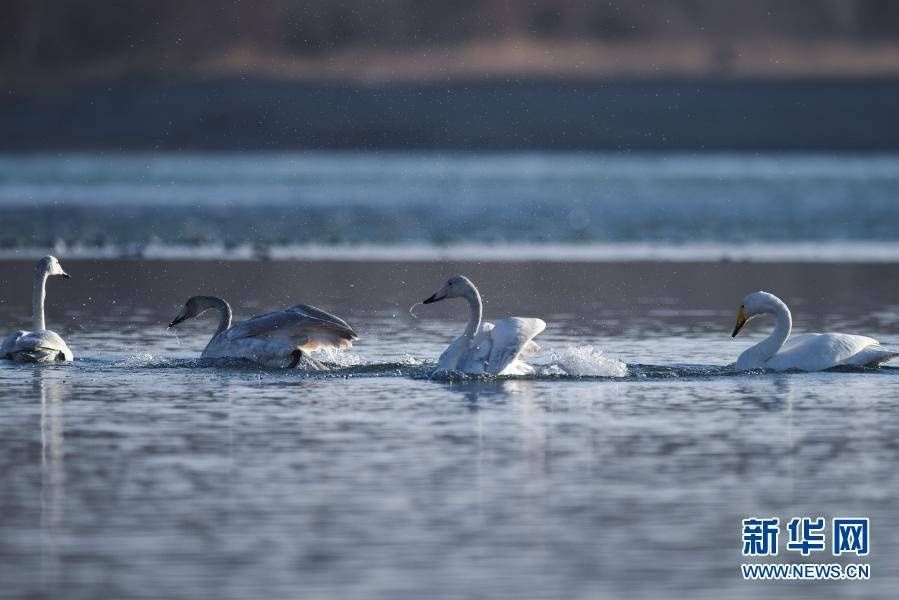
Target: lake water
525, 206
140, 472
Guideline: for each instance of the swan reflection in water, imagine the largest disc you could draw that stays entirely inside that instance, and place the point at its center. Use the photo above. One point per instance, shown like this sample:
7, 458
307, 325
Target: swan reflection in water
531, 423
52, 392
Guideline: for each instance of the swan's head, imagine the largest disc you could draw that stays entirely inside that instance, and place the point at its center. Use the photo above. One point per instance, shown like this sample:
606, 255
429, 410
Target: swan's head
195, 306
51, 267
457, 286
753, 305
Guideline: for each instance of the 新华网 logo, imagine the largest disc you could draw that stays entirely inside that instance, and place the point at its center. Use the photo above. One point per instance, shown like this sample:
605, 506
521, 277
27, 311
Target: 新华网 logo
806, 536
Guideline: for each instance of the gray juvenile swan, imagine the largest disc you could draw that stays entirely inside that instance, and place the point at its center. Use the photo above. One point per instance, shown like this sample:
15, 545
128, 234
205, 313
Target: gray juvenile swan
486, 348
40, 345
279, 339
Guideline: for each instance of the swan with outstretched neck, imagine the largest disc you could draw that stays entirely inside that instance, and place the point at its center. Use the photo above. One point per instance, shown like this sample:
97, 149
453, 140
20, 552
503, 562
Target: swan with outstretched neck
804, 352
40, 345
486, 348
280, 339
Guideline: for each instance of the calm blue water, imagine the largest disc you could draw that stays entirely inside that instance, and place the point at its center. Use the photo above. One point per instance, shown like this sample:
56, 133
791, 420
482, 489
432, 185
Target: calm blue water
264, 201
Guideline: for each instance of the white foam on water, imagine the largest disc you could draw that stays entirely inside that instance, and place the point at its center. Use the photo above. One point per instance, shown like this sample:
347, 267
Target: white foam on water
409, 359
341, 358
139, 359
580, 361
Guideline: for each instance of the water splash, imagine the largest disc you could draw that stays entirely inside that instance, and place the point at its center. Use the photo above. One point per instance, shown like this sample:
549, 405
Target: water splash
172, 332
584, 361
339, 358
140, 359
409, 359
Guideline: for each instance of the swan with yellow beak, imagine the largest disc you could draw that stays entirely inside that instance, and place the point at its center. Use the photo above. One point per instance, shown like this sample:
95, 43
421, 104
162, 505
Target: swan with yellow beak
804, 352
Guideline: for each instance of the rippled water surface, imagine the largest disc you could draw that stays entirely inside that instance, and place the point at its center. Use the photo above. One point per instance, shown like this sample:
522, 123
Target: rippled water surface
263, 203
139, 472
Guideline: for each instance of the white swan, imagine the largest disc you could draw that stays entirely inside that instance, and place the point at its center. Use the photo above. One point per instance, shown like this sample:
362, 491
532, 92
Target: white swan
40, 345
806, 351
487, 348
278, 339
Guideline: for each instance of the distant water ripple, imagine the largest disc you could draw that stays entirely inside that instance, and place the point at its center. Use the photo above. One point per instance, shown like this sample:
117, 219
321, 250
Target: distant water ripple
266, 205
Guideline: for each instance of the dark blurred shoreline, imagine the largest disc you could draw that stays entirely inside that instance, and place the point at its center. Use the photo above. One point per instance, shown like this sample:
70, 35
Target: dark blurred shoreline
743, 114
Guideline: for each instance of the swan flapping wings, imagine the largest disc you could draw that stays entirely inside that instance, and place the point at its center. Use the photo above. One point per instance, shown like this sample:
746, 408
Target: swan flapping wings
301, 326
485, 348
278, 339
496, 349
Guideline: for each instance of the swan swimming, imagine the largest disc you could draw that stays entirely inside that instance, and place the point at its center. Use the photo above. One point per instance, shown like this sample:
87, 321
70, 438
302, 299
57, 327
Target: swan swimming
487, 348
803, 352
279, 339
40, 345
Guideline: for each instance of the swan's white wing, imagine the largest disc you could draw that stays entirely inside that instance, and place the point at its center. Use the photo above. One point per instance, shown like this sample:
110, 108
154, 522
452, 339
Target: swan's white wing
300, 326
494, 349
35, 346
471, 359
819, 351
529, 349
446, 361
510, 337
476, 358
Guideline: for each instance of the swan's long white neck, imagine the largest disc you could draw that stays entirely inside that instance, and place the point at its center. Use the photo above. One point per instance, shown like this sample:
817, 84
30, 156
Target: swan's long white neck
451, 357
476, 313
767, 348
38, 295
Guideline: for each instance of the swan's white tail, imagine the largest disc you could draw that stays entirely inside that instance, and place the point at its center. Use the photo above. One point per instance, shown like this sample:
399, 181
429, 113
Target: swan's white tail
887, 354
873, 355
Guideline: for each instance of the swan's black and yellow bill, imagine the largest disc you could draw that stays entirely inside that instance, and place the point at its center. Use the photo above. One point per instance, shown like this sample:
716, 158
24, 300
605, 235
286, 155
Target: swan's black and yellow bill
65, 275
741, 321
177, 320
